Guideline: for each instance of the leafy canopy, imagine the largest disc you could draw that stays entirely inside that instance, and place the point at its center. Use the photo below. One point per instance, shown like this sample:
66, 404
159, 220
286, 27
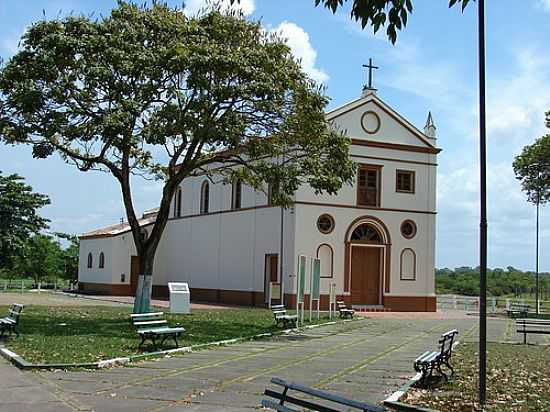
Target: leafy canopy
532, 168
19, 217
379, 13
42, 258
151, 92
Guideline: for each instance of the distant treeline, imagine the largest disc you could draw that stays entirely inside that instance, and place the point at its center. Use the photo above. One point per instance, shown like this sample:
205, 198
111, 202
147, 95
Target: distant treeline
500, 282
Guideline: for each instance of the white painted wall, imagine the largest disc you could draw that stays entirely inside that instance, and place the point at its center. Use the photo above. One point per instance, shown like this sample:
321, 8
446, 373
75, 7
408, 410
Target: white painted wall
227, 250
224, 250
95, 247
220, 197
308, 239
118, 251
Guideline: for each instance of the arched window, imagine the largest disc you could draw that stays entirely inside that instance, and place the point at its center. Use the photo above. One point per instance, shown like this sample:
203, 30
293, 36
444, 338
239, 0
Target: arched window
326, 255
236, 195
408, 264
205, 197
177, 203
101, 260
90, 260
366, 233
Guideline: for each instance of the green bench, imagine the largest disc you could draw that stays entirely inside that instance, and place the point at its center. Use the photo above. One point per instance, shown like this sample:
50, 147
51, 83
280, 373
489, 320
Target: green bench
310, 399
9, 323
154, 327
281, 317
534, 326
518, 310
345, 312
430, 361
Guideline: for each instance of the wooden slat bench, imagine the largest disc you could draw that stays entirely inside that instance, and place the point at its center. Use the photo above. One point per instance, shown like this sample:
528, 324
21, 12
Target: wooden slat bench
9, 323
428, 361
152, 326
518, 310
534, 326
281, 317
311, 404
345, 312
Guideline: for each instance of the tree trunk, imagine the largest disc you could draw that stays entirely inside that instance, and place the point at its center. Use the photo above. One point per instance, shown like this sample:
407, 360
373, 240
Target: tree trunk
146, 255
142, 301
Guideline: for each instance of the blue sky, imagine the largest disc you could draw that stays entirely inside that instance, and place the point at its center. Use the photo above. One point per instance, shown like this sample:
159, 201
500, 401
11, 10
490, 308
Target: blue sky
432, 67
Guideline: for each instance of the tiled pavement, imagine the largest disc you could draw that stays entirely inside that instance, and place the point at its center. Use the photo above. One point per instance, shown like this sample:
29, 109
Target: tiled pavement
364, 360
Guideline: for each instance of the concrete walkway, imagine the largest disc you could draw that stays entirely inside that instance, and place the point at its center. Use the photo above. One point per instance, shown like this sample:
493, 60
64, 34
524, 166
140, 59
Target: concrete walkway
365, 360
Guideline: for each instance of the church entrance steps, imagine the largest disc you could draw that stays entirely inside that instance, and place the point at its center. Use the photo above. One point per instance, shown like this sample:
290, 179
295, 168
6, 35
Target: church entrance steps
370, 308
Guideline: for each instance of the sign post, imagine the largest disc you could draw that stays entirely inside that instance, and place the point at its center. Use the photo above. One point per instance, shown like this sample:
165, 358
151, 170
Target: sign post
301, 286
315, 292
332, 300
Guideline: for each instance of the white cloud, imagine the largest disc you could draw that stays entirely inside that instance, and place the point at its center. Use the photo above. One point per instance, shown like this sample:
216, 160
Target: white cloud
299, 42
193, 7
545, 4
517, 100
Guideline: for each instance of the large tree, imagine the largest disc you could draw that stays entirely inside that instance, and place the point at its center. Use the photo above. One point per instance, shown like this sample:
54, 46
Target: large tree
41, 259
532, 168
19, 218
151, 92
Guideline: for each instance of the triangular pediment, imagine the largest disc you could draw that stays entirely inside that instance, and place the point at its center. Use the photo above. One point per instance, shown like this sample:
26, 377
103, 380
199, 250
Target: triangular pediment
370, 119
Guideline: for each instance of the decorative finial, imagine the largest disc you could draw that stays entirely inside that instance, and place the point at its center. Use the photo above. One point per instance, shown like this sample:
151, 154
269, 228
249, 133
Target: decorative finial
371, 67
430, 129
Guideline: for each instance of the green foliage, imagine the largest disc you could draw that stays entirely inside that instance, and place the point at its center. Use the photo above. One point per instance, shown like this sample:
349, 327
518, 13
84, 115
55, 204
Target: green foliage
69, 256
88, 334
500, 282
41, 258
149, 91
379, 13
532, 169
18, 218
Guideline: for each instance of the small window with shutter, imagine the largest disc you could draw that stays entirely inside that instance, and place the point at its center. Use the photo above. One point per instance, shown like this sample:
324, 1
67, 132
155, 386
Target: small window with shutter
404, 181
368, 185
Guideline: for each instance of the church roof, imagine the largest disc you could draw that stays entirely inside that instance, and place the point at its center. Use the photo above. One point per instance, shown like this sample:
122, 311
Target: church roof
374, 98
148, 218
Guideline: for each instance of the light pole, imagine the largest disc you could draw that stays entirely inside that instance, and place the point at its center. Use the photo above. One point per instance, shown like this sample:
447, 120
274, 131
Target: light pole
537, 302
483, 211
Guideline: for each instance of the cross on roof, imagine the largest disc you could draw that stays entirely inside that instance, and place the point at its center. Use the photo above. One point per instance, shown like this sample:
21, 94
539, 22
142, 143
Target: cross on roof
371, 67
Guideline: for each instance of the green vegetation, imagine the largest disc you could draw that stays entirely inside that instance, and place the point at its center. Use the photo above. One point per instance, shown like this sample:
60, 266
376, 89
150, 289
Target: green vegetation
19, 219
532, 169
500, 282
88, 334
518, 378
148, 91
26, 252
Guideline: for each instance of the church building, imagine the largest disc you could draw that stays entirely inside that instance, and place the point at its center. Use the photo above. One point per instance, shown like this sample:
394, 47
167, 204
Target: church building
375, 238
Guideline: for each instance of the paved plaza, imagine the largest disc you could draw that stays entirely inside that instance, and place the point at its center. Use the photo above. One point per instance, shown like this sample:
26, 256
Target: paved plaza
365, 360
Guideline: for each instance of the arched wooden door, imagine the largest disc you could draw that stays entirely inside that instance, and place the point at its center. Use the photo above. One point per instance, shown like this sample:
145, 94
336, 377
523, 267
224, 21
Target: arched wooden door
366, 265
365, 275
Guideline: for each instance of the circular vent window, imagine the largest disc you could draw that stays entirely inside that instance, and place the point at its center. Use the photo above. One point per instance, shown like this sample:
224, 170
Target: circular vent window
325, 224
408, 229
370, 122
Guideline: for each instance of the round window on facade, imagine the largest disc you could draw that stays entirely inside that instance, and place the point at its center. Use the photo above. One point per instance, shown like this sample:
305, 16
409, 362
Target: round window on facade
325, 224
408, 229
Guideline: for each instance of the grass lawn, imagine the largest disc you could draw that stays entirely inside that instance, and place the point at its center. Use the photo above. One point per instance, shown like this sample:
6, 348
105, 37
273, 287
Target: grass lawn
518, 379
66, 334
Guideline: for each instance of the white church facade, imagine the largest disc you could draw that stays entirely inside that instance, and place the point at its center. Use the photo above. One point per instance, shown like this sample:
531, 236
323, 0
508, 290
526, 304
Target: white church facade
375, 238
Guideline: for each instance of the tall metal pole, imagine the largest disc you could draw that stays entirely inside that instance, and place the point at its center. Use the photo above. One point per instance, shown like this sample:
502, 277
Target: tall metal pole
537, 252
483, 211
